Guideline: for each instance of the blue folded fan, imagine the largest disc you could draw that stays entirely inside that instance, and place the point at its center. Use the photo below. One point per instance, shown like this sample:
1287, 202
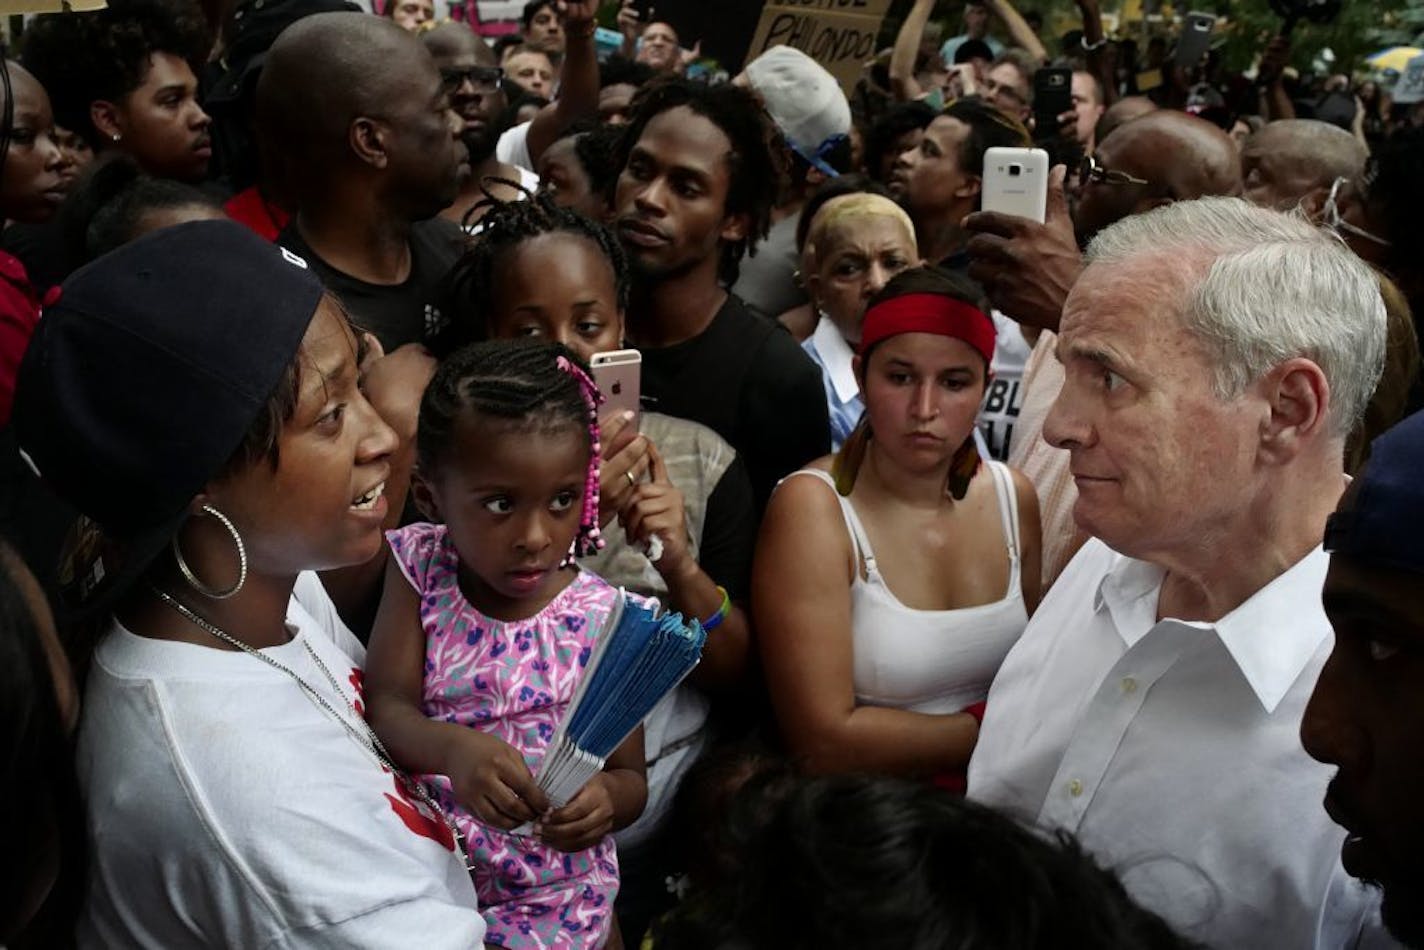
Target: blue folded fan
641, 656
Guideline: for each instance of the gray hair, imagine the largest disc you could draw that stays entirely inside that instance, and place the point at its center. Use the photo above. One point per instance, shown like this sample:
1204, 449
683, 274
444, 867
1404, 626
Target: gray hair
1275, 288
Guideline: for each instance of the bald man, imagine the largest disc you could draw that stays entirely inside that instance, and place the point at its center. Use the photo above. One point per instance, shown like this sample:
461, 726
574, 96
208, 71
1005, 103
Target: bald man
1152, 160
371, 151
1173, 156
477, 95
1288, 160
1120, 113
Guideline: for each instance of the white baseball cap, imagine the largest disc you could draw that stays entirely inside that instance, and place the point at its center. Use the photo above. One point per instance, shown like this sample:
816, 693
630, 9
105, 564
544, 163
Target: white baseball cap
804, 101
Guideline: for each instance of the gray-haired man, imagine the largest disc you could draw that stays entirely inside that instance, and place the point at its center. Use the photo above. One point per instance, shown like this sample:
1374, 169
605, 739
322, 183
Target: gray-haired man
1216, 355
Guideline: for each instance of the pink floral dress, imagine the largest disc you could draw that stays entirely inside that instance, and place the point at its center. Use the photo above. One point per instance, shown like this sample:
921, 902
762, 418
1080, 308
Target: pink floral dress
512, 680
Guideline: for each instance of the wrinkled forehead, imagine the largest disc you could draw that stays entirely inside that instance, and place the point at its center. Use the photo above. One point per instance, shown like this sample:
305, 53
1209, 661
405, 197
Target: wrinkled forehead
1131, 298
660, 31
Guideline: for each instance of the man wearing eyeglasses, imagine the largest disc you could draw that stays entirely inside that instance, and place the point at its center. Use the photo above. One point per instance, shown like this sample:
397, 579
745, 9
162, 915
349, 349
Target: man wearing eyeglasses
1009, 84
476, 88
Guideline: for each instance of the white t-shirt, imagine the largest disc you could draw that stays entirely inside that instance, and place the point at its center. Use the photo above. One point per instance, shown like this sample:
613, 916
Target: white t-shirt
1172, 750
1000, 411
513, 146
226, 808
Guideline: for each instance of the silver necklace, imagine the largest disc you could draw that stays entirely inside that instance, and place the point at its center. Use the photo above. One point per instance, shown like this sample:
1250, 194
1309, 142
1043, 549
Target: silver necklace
365, 736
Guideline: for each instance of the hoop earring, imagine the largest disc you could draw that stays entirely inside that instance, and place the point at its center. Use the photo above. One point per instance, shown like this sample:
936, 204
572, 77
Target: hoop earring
192, 578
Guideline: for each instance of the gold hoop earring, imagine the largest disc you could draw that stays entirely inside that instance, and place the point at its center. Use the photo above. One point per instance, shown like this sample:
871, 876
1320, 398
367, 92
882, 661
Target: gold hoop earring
192, 579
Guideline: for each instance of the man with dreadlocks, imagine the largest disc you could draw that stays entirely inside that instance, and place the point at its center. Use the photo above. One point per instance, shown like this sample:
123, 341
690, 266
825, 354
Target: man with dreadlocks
697, 185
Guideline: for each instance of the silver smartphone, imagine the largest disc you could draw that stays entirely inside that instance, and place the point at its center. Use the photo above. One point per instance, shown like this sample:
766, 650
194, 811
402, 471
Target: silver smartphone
1016, 182
619, 374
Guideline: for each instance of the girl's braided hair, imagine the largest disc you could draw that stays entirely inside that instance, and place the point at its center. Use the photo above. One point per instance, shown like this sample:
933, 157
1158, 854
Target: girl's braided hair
531, 384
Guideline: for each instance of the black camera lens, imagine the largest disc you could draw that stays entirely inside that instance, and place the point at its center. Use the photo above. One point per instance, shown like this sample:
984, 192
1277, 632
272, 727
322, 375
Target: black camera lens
1015, 171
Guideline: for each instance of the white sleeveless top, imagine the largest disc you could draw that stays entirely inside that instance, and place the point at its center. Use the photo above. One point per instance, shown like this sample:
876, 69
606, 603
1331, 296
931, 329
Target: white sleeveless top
929, 661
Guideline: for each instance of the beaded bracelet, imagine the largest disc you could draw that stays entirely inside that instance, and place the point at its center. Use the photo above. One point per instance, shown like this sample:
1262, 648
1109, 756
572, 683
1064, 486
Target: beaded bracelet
715, 621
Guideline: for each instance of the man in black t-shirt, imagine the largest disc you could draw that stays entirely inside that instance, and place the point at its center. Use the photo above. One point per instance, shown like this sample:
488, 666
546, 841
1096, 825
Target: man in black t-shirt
695, 194
357, 114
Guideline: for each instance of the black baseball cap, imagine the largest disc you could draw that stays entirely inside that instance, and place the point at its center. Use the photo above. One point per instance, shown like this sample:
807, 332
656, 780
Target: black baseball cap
1382, 525
142, 380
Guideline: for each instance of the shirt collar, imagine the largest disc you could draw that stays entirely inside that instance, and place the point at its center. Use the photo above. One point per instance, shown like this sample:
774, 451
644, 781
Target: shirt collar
1271, 637
836, 356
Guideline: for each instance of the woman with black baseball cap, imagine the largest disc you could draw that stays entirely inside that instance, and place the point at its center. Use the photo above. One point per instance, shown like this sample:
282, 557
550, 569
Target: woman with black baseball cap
195, 395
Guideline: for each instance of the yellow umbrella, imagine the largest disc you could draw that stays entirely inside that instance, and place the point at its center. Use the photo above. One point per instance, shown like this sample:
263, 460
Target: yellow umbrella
1395, 58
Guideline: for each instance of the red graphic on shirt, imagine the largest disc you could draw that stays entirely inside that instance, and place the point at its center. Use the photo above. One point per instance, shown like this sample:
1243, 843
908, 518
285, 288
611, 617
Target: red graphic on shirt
415, 818
411, 812
357, 679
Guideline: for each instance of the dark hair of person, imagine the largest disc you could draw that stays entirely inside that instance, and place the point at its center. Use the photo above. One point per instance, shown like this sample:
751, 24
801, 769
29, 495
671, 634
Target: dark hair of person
108, 207
504, 43
755, 170
531, 10
619, 70
917, 280
972, 49
890, 864
104, 55
42, 808
988, 128
519, 98
505, 226
699, 825
832, 188
887, 130
596, 148
517, 382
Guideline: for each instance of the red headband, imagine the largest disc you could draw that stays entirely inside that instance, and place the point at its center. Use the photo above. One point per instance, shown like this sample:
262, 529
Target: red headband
928, 313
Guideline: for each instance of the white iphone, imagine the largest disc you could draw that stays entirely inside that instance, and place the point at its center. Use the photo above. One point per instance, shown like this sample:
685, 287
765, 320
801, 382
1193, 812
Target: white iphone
1016, 182
619, 374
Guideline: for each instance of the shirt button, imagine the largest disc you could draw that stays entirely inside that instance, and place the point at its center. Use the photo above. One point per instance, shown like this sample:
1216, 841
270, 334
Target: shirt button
1075, 788
1129, 685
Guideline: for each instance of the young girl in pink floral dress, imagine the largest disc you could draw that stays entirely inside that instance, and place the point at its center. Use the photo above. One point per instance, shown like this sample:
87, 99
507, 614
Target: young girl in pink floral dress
485, 628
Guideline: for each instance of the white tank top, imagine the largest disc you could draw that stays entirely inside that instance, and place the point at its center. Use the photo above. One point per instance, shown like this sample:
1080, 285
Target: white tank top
930, 661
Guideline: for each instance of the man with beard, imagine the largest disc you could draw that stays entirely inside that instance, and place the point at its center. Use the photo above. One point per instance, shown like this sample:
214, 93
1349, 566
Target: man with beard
476, 88
371, 151
697, 185
1367, 713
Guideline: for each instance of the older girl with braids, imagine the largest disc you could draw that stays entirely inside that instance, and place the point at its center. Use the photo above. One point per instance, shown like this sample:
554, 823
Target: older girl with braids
892, 578
484, 630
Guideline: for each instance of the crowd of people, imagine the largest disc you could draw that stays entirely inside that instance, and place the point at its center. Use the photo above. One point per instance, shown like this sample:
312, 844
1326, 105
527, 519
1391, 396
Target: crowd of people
1059, 578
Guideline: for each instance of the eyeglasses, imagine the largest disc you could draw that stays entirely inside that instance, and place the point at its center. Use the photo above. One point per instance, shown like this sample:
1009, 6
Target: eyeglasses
996, 90
1333, 221
1091, 171
488, 78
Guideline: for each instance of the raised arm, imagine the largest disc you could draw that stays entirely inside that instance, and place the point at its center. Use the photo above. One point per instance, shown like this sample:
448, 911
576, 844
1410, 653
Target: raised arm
578, 78
1019, 30
1095, 48
801, 602
903, 84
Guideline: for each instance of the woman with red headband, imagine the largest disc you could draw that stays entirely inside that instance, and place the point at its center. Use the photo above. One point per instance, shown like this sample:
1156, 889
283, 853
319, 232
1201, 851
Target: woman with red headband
892, 578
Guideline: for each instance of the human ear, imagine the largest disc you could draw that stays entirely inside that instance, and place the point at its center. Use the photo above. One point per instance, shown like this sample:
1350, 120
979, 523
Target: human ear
424, 497
1298, 397
367, 139
107, 119
736, 227
971, 187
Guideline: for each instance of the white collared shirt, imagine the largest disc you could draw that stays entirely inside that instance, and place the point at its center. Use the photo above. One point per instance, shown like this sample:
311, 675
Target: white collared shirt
833, 354
1172, 750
